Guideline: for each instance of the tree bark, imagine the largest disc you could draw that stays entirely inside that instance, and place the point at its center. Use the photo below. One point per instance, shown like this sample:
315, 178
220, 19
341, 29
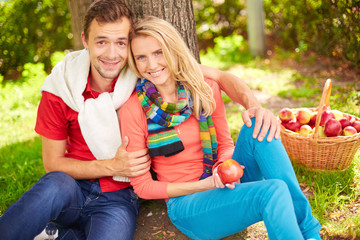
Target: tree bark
77, 10
179, 13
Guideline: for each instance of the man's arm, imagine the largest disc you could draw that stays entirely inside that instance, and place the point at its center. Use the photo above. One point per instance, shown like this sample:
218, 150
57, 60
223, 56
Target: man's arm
128, 164
239, 92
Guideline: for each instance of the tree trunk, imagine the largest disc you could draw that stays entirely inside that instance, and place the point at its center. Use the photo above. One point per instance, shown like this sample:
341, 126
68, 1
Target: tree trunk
77, 10
179, 13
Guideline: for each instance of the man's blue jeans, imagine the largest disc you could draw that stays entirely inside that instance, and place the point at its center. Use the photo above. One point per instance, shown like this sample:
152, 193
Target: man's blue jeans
269, 192
78, 208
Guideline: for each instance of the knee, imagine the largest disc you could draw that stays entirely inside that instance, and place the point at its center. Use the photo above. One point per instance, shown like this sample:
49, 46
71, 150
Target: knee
278, 190
56, 182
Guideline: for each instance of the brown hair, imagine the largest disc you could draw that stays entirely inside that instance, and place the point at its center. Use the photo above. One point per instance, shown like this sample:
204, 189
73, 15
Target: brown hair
107, 11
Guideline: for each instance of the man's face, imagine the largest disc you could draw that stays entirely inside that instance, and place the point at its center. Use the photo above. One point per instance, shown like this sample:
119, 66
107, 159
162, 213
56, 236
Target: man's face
108, 47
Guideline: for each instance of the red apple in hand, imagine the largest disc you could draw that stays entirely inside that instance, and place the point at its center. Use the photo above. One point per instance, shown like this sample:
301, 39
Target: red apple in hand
349, 130
230, 171
332, 128
286, 115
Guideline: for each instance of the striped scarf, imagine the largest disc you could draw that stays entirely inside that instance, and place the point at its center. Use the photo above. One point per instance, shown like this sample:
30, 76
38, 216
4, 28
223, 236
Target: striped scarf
163, 139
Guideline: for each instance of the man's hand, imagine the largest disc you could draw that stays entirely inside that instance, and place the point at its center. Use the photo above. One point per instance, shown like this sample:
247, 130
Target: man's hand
130, 164
264, 120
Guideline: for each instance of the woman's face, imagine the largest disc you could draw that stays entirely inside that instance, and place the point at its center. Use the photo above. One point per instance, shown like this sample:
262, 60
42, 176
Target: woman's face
150, 61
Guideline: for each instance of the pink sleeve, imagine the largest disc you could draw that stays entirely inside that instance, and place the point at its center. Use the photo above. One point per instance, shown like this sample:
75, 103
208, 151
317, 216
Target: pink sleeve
133, 125
225, 142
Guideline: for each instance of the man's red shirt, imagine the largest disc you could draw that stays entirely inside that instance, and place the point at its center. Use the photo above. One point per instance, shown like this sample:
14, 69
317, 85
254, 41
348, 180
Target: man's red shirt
57, 121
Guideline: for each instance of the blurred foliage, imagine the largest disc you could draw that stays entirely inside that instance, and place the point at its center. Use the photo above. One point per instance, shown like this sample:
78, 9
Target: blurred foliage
218, 18
31, 30
330, 27
226, 52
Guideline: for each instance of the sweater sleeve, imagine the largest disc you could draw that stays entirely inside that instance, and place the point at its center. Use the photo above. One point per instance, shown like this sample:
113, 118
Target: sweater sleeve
225, 142
133, 125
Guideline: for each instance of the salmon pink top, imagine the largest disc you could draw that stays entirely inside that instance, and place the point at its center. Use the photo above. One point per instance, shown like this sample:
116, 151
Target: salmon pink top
186, 166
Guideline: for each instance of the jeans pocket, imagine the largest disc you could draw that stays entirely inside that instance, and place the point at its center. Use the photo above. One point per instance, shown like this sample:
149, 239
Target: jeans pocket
134, 198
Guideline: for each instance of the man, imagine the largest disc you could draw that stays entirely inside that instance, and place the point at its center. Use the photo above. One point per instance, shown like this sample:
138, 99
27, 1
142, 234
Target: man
78, 123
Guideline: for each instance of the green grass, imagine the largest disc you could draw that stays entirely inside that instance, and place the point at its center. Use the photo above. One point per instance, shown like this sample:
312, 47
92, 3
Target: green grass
335, 200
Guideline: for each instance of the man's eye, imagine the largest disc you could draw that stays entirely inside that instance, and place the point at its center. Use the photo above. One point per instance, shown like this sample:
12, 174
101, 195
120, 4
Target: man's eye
101, 43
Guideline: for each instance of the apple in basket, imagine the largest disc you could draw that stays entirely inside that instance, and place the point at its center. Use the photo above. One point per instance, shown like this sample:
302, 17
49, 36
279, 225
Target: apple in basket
230, 171
338, 115
349, 130
325, 116
305, 130
286, 115
344, 122
332, 128
356, 125
303, 115
321, 132
313, 118
293, 125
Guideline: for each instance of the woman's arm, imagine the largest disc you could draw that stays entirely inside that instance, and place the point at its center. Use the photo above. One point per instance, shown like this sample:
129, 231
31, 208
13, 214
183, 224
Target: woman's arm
239, 92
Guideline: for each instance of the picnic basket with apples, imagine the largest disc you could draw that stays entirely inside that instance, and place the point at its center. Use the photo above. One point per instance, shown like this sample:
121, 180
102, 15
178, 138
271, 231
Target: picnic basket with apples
330, 144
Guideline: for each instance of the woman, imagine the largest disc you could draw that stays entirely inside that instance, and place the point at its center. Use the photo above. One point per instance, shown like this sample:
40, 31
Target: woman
181, 118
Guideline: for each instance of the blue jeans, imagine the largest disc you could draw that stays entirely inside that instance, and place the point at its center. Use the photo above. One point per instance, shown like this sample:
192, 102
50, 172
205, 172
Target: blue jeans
269, 192
78, 208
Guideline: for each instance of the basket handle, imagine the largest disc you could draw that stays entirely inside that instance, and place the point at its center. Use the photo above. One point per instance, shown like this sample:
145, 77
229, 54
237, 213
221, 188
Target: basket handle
324, 101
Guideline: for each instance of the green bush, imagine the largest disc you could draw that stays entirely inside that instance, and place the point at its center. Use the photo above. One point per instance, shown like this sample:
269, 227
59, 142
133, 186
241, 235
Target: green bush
218, 18
328, 27
31, 30
226, 52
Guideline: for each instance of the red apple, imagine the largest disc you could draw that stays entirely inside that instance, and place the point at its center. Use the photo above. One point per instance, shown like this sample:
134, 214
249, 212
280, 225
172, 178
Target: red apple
293, 125
344, 122
356, 125
324, 108
332, 128
303, 115
305, 130
286, 115
230, 171
325, 116
313, 118
352, 119
349, 130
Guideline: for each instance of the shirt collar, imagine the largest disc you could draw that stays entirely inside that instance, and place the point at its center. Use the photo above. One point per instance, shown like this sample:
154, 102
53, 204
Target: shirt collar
89, 93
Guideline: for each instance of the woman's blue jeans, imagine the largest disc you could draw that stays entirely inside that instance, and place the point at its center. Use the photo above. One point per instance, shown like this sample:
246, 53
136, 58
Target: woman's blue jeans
78, 208
269, 192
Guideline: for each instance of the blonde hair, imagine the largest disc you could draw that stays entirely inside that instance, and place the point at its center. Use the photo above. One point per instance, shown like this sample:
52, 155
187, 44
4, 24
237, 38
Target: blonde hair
181, 63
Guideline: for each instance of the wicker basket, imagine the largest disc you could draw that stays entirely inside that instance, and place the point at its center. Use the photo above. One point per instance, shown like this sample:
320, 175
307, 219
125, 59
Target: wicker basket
321, 153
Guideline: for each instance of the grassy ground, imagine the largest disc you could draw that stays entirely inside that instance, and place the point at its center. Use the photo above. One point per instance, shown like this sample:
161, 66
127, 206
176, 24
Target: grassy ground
279, 81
